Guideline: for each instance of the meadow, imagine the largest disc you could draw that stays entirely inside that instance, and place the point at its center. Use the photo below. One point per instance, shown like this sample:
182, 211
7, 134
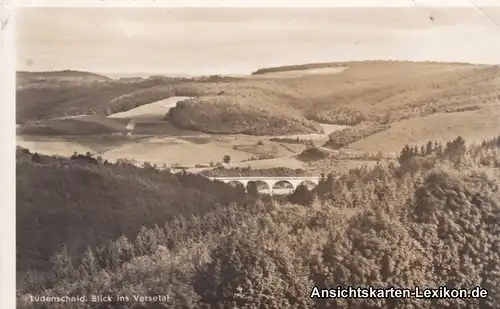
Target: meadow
372, 106
104, 207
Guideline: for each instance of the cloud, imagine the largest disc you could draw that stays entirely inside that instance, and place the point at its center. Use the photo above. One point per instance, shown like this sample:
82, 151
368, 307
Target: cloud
120, 39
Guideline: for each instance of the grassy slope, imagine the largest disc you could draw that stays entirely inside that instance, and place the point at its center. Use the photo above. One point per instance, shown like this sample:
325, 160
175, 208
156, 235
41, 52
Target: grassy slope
474, 125
60, 201
84, 125
297, 67
26, 78
367, 93
50, 99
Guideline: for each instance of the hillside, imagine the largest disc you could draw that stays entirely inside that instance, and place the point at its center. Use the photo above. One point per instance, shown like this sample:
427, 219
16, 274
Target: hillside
431, 220
80, 202
365, 94
234, 114
369, 110
26, 78
47, 98
85, 125
299, 67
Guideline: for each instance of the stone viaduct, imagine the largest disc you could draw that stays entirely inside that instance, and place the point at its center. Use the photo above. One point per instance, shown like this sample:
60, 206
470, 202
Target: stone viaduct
271, 182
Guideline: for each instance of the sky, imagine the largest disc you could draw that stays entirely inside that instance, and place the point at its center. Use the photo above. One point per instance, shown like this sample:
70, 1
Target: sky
145, 41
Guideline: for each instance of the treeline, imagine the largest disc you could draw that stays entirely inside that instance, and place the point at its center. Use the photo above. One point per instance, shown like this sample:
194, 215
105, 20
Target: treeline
222, 171
435, 224
453, 151
308, 66
43, 97
220, 115
350, 135
85, 200
313, 154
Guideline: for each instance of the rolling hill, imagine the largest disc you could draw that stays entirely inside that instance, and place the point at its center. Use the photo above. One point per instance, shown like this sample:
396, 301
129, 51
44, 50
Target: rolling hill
430, 220
364, 93
81, 202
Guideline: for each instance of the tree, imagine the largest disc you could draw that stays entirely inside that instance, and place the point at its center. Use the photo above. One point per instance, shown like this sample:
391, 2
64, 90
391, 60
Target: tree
455, 149
250, 271
405, 155
429, 148
252, 188
88, 265
438, 148
302, 196
322, 189
62, 265
422, 150
226, 159
147, 166
147, 240
36, 158
33, 282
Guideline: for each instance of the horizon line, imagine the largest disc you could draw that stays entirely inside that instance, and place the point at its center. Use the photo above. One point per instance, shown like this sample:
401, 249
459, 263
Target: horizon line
187, 74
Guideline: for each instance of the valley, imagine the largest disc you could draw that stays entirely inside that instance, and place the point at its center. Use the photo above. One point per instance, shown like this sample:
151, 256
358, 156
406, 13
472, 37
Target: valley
266, 119
214, 164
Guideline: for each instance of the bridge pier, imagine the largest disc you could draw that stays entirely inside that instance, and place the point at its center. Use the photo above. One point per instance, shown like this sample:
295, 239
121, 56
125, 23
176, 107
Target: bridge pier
269, 181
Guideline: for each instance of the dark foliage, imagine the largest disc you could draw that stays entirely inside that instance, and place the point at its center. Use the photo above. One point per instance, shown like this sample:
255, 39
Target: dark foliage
301, 196
434, 225
61, 201
222, 171
313, 154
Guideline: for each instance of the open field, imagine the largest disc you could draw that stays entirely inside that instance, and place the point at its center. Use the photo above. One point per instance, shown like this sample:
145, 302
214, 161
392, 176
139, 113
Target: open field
120, 178
155, 111
369, 93
66, 145
297, 73
260, 122
473, 126
83, 125
326, 129
150, 118
366, 92
376, 91
172, 151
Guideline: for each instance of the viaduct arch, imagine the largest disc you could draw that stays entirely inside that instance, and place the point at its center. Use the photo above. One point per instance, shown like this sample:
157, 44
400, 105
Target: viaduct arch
270, 181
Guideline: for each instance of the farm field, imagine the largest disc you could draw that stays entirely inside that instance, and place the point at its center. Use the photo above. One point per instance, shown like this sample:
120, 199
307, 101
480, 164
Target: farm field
261, 122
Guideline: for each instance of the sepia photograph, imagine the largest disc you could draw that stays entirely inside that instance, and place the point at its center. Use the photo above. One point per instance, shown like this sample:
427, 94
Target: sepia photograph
257, 157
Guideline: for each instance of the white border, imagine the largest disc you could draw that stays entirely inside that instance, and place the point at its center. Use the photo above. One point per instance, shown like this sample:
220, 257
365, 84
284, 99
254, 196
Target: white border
255, 3
7, 157
7, 91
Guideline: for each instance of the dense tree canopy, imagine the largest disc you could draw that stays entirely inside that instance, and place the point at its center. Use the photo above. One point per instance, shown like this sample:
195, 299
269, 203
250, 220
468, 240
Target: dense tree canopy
433, 220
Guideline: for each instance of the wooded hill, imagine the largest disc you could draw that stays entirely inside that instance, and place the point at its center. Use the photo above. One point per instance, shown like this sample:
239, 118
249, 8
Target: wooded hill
432, 219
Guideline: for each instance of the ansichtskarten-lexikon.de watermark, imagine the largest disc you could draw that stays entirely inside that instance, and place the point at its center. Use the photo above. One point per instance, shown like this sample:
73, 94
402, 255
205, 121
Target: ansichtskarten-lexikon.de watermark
417, 292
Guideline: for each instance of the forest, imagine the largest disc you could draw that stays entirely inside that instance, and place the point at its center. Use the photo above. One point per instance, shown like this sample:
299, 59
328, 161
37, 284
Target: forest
431, 219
